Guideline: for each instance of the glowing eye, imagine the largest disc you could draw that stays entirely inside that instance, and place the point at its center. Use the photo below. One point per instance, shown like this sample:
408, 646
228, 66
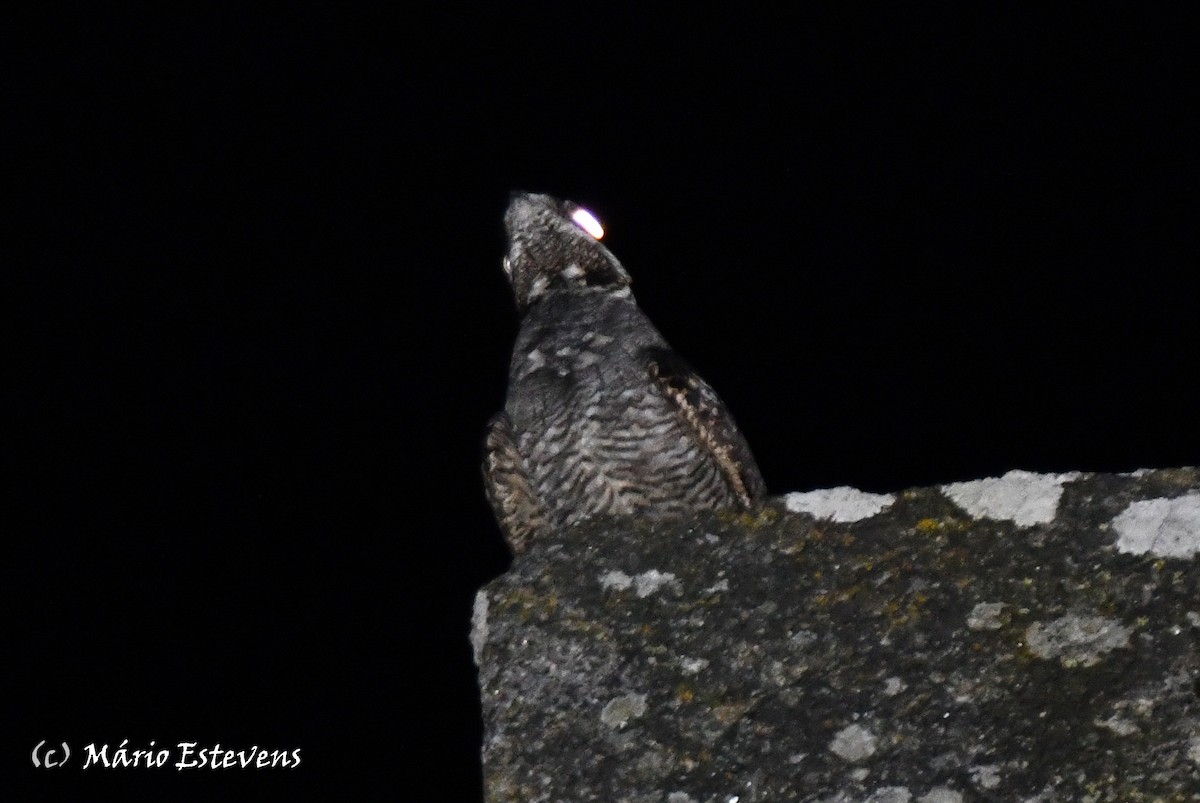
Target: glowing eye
587, 221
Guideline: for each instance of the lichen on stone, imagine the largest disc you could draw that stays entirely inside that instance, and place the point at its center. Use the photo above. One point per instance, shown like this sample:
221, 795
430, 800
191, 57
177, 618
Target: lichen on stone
918, 651
1077, 640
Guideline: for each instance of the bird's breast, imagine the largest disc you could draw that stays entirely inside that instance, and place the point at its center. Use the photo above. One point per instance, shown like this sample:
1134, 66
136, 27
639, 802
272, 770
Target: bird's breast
618, 454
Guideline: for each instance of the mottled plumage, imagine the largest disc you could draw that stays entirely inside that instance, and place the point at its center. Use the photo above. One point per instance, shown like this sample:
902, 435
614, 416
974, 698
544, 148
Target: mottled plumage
602, 417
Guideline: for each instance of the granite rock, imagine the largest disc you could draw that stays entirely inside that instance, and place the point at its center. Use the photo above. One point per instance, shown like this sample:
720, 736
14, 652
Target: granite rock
1026, 638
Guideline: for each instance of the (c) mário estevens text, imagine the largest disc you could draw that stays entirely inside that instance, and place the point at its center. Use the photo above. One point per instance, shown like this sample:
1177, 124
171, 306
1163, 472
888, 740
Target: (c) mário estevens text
189, 756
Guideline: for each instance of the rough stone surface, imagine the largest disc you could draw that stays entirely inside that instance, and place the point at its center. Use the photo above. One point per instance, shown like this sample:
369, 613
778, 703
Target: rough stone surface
924, 653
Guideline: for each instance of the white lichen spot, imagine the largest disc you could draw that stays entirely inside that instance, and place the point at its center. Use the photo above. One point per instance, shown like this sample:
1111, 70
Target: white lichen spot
692, 666
1193, 618
841, 504
1168, 528
986, 616
621, 710
1121, 727
853, 743
647, 583
680, 797
479, 626
644, 584
1023, 497
616, 579
1048, 794
890, 794
1194, 749
940, 794
716, 588
893, 686
1077, 640
986, 776
803, 638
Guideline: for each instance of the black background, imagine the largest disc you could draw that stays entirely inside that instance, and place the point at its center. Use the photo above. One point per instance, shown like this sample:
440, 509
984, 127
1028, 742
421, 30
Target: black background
261, 320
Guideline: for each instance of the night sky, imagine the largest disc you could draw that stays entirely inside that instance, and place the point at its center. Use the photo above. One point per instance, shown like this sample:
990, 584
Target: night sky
262, 322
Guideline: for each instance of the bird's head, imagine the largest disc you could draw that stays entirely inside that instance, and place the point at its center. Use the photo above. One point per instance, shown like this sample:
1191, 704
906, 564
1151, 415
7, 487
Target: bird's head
555, 245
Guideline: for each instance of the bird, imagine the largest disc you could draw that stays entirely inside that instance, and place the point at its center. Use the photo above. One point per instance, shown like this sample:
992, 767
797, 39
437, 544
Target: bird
602, 417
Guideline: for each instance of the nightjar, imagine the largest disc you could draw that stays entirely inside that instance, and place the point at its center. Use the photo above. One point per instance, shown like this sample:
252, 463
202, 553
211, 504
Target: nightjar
602, 417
